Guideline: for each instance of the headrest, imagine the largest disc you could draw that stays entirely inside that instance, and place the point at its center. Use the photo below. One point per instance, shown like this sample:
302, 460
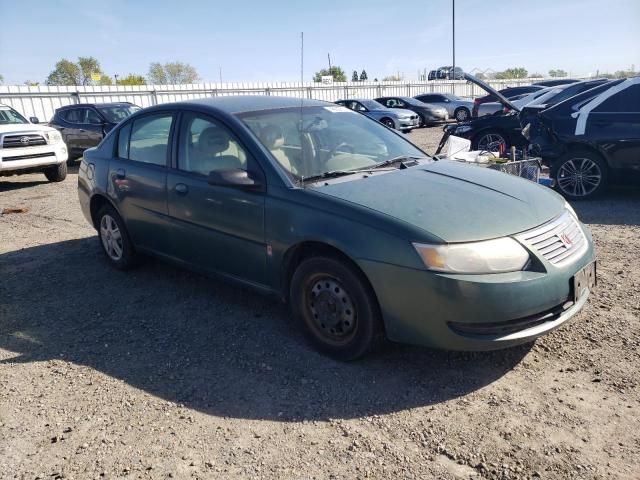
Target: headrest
272, 137
213, 140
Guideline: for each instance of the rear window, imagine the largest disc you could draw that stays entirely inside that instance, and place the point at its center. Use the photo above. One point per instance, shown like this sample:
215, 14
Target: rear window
628, 100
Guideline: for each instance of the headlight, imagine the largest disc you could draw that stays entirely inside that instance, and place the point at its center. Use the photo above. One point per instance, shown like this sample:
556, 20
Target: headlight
462, 129
491, 256
54, 137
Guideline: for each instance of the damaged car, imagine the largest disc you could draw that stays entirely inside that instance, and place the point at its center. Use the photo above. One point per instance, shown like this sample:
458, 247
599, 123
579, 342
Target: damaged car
590, 140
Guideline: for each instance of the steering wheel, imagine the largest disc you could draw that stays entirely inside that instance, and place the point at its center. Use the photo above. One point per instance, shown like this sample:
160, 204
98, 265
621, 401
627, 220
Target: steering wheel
335, 149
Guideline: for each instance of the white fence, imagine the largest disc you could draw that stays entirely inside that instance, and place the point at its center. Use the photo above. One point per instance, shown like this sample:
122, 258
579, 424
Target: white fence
42, 101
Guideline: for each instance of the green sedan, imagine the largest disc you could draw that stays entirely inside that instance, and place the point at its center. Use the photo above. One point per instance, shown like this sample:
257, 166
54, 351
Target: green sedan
363, 234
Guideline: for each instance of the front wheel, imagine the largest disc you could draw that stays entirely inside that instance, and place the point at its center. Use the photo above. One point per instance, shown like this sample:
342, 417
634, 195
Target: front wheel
335, 307
490, 141
580, 175
56, 173
388, 122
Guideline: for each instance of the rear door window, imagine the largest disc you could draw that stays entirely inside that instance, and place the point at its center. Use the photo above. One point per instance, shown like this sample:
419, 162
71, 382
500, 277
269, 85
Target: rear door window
149, 139
73, 115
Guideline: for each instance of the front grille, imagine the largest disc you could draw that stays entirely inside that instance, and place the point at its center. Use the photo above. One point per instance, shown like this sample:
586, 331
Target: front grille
28, 140
500, 329
558, 241
25, 157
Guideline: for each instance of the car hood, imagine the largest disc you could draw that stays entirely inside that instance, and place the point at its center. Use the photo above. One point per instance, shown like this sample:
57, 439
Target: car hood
23, 127
453, 201
487, 88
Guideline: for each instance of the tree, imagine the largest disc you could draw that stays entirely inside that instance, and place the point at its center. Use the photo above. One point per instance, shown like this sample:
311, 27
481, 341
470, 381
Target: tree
88, 66
68, 73
132, 79
65, 73
354, 77
336, 72
1, 79
480, 76
516, 72
391, 78
535, 75
172, 73
557, 73
105, 80
363, 76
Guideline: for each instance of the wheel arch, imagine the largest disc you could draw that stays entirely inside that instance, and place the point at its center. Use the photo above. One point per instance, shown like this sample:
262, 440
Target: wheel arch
585, 147
311, 248
95, 204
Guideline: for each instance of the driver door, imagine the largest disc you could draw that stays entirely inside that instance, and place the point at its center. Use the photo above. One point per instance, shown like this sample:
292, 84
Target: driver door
217, 228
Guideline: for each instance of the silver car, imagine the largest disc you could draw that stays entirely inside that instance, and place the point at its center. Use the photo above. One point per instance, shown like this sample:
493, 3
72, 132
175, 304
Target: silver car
457, 108
397, 118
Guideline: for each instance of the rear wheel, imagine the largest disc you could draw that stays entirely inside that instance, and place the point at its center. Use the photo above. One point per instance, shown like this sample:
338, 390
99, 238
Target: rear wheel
56, 173
490, 140
388, 122
462, 114
336, 308
114, 239
580, 175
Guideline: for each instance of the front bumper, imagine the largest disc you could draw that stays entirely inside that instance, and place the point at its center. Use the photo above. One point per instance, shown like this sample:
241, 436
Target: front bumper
408, 123
15, 159
475, 312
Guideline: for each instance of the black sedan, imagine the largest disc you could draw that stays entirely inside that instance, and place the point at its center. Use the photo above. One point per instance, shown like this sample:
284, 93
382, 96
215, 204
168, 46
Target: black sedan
84, 125
504, 128
427, 113
590, 140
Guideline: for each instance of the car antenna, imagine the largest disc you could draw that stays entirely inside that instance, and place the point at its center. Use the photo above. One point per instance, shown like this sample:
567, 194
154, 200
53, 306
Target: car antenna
301, 104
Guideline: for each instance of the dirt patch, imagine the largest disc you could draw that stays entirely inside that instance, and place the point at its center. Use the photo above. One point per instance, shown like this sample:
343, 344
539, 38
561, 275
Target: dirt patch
161, 373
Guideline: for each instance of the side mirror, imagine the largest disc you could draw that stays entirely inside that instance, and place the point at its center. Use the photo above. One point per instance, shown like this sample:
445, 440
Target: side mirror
34, 120
235, 177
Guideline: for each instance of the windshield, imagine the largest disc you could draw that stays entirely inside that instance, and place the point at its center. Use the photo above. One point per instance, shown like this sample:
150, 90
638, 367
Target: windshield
9, 115
117, 113
311, 141
372, 104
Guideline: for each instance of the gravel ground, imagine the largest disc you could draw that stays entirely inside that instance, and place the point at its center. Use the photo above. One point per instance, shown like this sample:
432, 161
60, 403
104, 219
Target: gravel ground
161, 373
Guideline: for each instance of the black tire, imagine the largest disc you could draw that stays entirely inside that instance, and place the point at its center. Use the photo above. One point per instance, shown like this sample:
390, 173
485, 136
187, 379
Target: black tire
127, 257
56, 173
487, 137
580, 175
461, 114
388, 122
422, 123
336, 308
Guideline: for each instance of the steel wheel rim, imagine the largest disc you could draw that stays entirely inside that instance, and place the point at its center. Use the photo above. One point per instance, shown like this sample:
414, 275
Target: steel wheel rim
491, 138
389, 123
579, 177
333, 315
111, 238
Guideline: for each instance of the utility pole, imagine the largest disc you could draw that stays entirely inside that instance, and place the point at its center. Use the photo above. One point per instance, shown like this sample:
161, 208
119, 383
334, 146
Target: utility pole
329, 57
220, 73
453, 4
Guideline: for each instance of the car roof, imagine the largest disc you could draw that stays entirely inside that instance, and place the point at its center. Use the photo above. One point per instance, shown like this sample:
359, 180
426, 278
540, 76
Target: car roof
107, 104
251, 103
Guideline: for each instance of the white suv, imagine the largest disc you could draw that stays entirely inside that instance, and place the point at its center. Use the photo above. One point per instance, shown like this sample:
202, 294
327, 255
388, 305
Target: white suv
28, 147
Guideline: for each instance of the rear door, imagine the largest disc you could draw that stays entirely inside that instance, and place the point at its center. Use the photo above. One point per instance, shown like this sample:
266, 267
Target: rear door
70, 120
219, 228
93, 126
138, 179
614, 126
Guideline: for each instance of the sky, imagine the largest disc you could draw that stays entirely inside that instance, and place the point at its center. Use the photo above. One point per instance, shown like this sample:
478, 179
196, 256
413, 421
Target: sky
259, 40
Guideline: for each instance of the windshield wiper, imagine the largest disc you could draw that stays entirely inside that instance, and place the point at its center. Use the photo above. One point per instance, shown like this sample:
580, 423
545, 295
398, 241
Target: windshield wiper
399, 159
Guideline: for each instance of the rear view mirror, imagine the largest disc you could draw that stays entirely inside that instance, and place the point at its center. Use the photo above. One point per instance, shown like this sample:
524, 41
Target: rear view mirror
235, 177
34, 120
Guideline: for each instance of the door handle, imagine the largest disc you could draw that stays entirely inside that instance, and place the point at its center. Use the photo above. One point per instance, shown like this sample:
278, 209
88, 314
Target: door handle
120, 173
181, 188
